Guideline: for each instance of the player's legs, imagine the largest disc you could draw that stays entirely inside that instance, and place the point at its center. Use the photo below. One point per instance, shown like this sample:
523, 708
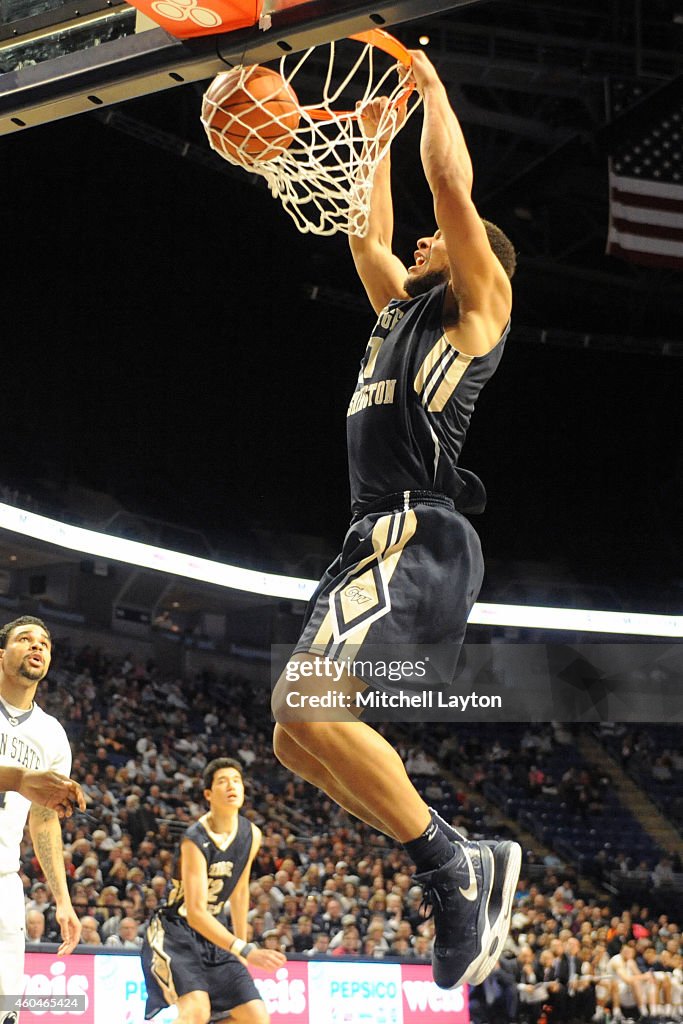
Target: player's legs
615, 994
427, 541
469, 885
194, 1008
652, 991
253, 1012
298, 760
367, 769
676, 993
12, 927
603, 995
665, 991
638, 987
624, 996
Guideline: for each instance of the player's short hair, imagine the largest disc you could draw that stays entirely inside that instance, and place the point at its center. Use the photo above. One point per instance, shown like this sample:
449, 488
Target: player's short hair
23, 620
216, 765
502, 247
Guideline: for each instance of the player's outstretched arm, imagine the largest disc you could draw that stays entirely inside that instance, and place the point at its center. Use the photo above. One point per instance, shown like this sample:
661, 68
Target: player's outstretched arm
196, 886
46, 836
479, 282
381, 272
47, 788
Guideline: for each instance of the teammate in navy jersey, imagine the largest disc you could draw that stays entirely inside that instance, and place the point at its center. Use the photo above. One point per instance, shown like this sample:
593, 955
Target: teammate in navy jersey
195, 950
35, 761
411, 565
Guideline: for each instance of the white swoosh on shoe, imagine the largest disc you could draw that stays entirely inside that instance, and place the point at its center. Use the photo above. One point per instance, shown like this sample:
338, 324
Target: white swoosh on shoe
470, 893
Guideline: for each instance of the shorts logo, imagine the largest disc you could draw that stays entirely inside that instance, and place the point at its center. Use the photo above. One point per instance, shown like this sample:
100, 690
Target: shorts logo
362, 596
359, 601
187, 10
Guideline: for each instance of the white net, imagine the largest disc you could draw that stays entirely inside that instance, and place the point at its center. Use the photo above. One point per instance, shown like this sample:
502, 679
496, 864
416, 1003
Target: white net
322, 167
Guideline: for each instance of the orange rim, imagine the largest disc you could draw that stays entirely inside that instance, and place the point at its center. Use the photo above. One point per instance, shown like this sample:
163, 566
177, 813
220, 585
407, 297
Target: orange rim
383, 41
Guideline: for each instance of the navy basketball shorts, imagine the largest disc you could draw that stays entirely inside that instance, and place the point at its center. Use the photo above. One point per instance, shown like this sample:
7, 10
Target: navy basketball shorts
177, 960
405, 581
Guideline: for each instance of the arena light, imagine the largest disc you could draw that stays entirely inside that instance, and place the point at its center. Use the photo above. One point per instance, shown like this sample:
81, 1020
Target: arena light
576, 620
147, 556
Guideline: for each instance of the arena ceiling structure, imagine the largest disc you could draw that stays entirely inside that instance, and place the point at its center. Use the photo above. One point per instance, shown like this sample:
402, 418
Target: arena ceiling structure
143, 267
547, 93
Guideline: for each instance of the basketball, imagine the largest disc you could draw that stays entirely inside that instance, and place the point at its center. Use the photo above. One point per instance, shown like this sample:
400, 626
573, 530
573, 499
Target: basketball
250, 114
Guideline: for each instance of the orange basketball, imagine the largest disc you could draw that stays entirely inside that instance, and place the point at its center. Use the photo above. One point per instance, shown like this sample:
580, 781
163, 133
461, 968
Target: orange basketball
250, 114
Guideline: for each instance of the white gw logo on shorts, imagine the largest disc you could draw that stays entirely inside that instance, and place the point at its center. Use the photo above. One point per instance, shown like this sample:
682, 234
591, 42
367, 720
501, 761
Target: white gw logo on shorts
187, 10
357, 595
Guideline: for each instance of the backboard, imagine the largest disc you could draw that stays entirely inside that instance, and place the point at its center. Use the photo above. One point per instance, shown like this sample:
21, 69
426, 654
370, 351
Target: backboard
64, 57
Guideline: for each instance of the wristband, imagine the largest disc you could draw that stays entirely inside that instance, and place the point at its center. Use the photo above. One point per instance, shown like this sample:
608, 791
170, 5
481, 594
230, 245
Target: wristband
242, 948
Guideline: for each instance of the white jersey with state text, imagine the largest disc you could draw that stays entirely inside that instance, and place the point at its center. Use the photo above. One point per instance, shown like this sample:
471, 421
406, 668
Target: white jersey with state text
33, 740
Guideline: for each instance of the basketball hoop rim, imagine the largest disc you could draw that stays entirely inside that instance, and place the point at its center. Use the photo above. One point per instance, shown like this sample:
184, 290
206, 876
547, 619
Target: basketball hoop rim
383, 41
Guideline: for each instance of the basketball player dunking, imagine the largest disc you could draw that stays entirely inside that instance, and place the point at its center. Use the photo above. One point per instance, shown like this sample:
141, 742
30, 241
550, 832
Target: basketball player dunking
190, 957
35, 760
411, 565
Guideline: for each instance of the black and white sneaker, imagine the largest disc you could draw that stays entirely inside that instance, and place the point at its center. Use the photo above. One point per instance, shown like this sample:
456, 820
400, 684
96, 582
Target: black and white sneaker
507, 857
458, 895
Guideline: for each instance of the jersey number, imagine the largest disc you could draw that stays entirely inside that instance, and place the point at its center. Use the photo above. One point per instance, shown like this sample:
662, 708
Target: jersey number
214, 907
374, 346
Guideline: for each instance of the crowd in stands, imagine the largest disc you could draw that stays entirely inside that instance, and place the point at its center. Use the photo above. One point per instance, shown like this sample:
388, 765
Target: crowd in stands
322, 884
652, 755
538, 776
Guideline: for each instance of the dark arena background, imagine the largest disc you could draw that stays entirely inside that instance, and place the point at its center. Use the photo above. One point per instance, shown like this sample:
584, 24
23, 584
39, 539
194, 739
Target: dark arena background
178, 361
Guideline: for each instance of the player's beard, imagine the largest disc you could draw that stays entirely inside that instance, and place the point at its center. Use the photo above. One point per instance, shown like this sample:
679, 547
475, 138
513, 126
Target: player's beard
34, 675
424, 283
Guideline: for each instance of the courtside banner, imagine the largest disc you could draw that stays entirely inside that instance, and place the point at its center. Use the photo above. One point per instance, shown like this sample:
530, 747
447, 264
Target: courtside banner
285, 992
52, 982
111, 987
367, 992
423, 1001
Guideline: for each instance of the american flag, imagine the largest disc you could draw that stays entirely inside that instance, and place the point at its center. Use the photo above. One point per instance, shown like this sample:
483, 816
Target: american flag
646, 182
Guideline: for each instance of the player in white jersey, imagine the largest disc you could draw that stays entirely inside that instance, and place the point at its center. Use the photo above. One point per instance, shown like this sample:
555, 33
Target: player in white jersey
35, 760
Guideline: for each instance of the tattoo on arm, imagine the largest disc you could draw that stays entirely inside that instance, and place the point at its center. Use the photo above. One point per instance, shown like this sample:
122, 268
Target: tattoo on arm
47, 840
41, 814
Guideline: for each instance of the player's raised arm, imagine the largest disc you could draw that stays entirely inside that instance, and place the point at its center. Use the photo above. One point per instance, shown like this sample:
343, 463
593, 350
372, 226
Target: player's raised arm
196, 886
480, 284
381, 272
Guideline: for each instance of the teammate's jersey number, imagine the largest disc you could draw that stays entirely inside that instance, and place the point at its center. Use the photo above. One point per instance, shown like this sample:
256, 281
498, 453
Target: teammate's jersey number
215, 886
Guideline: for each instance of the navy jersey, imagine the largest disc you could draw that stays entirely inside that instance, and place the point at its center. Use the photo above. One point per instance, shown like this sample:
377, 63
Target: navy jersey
409, 414
224, 865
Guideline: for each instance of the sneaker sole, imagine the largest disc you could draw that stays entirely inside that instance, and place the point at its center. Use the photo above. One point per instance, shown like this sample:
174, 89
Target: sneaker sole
507, 858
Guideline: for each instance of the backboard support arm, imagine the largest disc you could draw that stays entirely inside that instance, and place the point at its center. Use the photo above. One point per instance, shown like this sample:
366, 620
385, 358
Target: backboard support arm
152, 61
